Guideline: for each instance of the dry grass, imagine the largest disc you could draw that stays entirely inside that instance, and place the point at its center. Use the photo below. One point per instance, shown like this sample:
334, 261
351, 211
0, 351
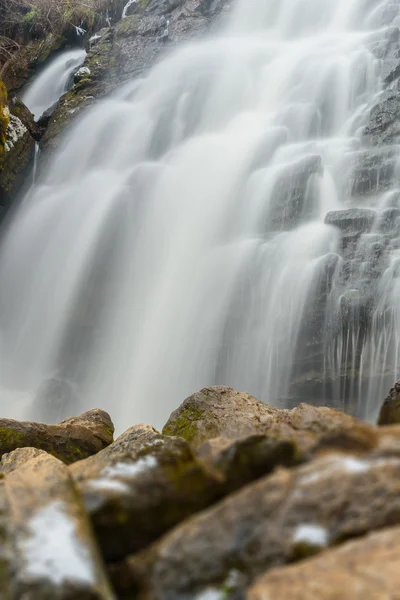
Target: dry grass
22, 20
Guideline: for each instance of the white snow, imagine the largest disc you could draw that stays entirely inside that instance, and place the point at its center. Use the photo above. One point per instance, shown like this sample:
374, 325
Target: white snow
53, 550
346, 464
15, 130
311, 534
79, 30
210, 594
109, 484
125, 469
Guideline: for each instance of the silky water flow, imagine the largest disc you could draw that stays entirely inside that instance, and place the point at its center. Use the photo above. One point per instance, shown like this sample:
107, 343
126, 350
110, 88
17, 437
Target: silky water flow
178, 239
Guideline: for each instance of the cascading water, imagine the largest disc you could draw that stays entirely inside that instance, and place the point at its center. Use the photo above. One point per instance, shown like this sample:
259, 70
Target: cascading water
51, 83
179, 238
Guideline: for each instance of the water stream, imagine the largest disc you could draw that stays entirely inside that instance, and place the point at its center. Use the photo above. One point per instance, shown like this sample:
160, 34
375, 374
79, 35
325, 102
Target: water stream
178, 239
51, 83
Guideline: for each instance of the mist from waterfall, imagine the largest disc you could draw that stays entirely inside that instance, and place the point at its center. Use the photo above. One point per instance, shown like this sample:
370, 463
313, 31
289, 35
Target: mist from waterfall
178, 238
50, 84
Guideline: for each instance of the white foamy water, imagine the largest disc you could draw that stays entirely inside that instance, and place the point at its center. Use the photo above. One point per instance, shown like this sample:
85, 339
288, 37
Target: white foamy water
50, 83
178, 239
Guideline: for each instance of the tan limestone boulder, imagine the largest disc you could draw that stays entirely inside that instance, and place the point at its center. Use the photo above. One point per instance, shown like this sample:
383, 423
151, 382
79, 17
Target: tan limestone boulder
223, 412
365, 569
54, 555
141, 486
71, 440
289, 515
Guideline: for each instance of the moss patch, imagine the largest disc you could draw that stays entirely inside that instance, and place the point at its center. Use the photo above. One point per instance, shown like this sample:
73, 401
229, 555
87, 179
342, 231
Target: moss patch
4, 118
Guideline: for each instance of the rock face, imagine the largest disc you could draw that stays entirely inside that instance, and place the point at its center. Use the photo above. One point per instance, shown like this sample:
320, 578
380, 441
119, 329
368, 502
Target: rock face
140, 486
127, 50
71, 440
24, 63
48, 536
281, 518
18, 133
365, 569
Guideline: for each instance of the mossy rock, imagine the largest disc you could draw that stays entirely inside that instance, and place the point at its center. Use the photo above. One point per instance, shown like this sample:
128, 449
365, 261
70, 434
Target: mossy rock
4, 118
71, 440
141, 486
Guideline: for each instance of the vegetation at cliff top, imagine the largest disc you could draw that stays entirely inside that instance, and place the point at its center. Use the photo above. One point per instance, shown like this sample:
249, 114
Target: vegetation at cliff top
23, 20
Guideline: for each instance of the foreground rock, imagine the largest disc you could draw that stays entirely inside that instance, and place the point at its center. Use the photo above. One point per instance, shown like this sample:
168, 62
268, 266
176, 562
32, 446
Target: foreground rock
286, 516
366, 569
71, 440
49, 536
140, 486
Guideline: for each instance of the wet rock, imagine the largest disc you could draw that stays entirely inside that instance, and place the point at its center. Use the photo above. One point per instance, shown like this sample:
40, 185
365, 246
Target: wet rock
373, 171
292, 195
128, 50
140, 486
384, 124
352, 220
390, 411
279, 519
71, 440
365, 569
53, 549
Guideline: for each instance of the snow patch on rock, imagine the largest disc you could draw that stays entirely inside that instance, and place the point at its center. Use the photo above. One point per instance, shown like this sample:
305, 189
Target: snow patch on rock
125, 469
52, 551
112, 485
346, 464
311, 534
15, 131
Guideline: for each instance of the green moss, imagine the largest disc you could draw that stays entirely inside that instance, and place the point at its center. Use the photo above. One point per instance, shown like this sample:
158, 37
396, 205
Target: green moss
4, 118
32, 18
129, 26
11, 440
185, 425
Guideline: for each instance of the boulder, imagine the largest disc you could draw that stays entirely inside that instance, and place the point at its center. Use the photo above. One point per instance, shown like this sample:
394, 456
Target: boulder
140, 486
219, 411
71, 440
241, 461
53, 549
365, 569
390, 411
281, 518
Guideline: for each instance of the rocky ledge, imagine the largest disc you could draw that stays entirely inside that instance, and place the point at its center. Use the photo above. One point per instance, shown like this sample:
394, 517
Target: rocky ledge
217, 506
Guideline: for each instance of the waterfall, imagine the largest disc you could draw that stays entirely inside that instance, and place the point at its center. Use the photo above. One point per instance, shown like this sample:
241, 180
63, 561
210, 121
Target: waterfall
50, 84
181, 238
